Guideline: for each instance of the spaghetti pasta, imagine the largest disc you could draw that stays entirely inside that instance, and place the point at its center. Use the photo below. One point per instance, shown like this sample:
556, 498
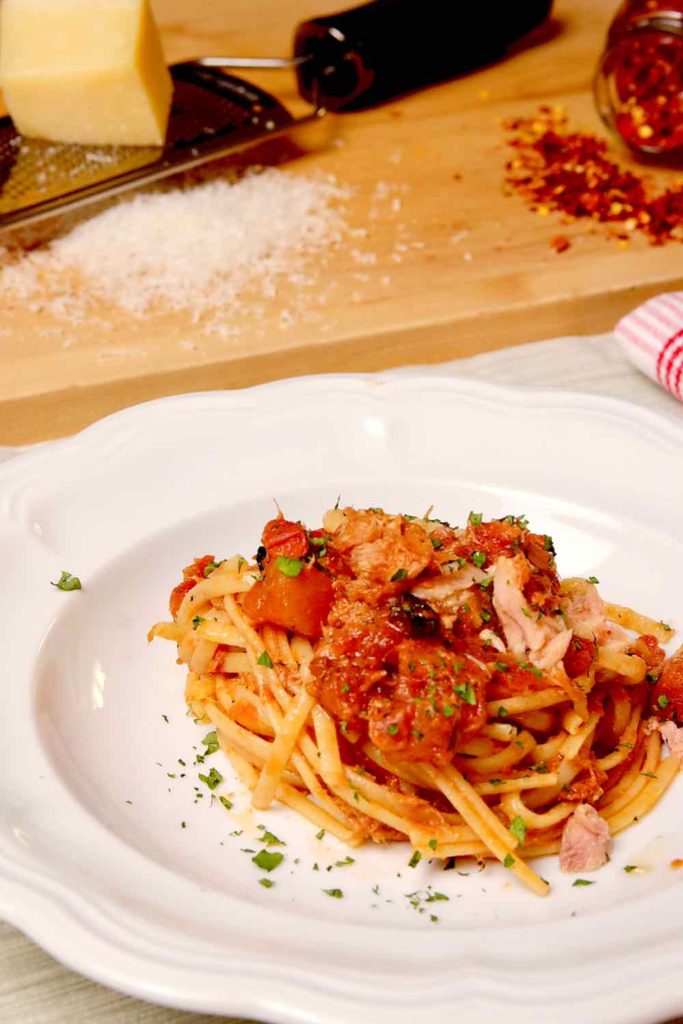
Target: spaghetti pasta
394, 678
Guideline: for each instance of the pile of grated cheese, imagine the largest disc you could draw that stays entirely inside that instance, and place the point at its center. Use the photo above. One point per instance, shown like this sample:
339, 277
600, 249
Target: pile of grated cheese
199, 248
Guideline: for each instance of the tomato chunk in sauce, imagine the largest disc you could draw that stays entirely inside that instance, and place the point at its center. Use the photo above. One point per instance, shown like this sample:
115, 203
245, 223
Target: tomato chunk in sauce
667, 694
192, 575
297, 603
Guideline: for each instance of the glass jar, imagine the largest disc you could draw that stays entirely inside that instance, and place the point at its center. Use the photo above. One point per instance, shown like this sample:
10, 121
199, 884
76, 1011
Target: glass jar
639, 82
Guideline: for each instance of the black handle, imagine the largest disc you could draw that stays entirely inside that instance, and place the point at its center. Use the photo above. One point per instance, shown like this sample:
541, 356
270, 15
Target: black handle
375, 52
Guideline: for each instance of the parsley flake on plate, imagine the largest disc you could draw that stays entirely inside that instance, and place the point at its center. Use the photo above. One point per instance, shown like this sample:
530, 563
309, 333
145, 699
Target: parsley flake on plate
213, 779
66, 582
210, 741
267, 861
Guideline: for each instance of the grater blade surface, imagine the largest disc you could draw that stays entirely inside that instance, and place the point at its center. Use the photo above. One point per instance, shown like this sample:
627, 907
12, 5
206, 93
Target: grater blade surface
212, 114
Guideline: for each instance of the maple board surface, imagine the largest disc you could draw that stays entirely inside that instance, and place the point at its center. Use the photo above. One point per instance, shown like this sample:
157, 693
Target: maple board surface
449, 264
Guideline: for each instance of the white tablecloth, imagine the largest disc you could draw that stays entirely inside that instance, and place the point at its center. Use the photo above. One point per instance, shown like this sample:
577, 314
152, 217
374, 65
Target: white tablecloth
34, 989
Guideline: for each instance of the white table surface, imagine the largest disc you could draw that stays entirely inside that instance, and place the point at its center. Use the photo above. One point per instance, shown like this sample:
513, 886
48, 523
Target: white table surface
34, 988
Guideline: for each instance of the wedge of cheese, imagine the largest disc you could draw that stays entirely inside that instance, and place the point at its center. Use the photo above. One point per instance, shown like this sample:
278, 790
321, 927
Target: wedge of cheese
83, 71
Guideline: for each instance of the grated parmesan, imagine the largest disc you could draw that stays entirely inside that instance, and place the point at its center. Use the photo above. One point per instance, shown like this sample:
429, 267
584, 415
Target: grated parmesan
200, 248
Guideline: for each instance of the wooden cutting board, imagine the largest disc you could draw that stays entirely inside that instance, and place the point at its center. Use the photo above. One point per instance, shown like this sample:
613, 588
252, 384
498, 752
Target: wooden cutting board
457, 266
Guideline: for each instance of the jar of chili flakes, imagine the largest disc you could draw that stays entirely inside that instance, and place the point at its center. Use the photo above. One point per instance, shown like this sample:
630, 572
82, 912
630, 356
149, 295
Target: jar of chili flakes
639, 83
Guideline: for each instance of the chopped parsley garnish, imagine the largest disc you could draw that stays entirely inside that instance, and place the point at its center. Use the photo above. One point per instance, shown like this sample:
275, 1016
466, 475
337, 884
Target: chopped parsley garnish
392, 729
541, 768
479, 558
665, 625
165, 718
548, 544
226, 803
475, 518
486, 583
432, 844
267, 883
518, 829
447, 711
209, 567
210, 741
502, 667
485, 616
509, 860
336, 894
400, 574
267, 861
197, 621
289, 566
593, 579
436, 543
662, 701
466, 692
432, 897
265, 659
344, 863
521, 521
320, 834
528, 667
269, 838
415, 859
66, 582
583, 881
503, 712
649, 775
213, 779
630, 867
346, 688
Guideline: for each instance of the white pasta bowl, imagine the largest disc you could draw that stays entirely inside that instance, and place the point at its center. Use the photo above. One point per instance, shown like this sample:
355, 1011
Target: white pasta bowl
108, 857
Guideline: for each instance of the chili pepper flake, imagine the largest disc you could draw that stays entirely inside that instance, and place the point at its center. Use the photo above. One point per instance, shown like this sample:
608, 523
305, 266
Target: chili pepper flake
560, 243
568, 172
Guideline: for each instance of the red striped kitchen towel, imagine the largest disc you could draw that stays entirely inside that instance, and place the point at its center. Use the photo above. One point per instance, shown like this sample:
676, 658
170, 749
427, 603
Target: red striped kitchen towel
652, 338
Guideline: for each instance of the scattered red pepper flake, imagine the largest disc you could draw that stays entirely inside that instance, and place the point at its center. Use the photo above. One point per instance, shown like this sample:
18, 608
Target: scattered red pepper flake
560, 243
561, 171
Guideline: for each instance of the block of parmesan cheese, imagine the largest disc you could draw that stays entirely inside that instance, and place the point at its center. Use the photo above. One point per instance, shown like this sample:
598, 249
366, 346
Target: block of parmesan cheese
84, 72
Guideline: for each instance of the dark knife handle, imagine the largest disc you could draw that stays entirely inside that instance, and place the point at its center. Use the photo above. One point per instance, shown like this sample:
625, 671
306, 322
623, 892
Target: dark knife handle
375, 52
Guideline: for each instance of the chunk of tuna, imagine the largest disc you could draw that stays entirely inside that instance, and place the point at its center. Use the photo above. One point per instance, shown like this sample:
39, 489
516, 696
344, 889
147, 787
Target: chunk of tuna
585, 841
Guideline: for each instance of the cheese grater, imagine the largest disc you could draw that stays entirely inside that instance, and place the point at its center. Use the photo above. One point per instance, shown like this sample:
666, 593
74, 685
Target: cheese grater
212, 114
343, 61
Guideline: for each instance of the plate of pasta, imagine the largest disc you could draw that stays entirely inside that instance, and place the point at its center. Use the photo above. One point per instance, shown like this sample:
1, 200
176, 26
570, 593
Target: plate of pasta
411, 717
